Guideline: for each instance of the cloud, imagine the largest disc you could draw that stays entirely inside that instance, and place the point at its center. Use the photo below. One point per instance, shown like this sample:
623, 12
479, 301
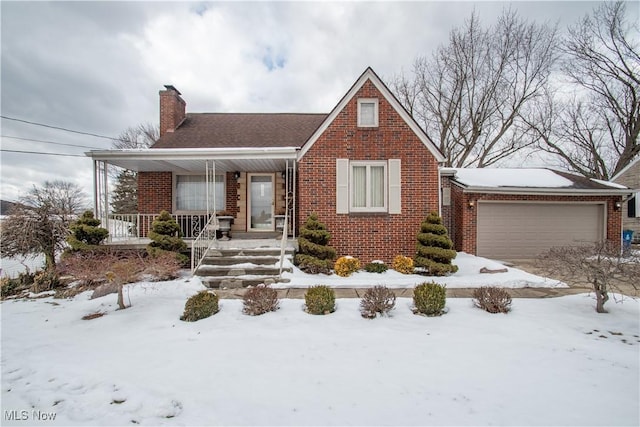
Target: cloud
98, 66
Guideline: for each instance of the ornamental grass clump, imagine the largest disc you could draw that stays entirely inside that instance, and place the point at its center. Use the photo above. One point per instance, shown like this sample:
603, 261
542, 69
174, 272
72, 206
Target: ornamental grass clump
314, 255
434, 250
429, 299
376, 267
200, 306
259, 300
492, 299
378, 300
320, 299
403, 264
346, 265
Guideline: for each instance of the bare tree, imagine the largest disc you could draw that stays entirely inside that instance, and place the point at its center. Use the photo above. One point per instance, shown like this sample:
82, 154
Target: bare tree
603, 267
40, 223
124, 198
595, 131
470, 96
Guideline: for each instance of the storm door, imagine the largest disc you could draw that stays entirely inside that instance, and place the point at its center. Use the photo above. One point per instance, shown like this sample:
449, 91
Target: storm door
261, 202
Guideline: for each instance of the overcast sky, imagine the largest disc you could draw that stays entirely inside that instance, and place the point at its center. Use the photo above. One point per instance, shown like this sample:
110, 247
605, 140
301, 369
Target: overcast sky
97, 67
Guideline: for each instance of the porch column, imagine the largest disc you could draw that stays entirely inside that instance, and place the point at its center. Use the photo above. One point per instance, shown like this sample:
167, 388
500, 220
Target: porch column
101, 192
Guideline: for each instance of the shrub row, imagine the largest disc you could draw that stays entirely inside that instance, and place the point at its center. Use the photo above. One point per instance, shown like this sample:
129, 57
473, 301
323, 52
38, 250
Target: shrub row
429, 299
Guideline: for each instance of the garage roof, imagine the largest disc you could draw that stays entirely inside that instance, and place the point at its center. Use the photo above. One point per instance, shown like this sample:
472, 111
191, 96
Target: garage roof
527, 180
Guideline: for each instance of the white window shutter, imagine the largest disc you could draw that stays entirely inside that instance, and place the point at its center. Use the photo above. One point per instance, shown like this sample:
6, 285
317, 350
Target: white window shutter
395, 198
342, 186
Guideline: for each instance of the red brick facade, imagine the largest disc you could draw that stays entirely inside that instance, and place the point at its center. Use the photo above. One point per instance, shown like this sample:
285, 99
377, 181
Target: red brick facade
172, 110
155, 192
376, 235
464, 219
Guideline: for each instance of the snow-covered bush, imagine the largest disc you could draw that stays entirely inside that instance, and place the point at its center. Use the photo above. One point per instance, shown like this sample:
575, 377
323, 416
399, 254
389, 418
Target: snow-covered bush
376, 267
492, 299
429, 299
320, 299
200, 306
346, 265
259, 300
377, 300
403, 264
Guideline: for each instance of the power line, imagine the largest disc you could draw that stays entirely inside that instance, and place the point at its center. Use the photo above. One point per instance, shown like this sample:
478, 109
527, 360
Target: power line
37, 152
59, 128
47, 142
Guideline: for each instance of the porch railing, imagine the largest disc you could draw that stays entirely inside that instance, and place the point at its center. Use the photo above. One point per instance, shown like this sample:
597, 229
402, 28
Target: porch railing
203, 242
135, 226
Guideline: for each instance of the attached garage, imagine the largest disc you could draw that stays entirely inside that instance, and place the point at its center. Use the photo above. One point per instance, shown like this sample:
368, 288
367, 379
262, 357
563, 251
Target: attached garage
511, 214
509, 230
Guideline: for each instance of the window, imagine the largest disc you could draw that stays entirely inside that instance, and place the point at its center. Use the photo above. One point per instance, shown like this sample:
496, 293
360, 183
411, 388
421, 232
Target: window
367, 112
633, 206
191, 193
368, 186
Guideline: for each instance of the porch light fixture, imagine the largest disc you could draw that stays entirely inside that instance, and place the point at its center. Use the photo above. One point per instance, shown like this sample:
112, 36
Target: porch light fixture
284, 174
471, 204
618, 205
236, 175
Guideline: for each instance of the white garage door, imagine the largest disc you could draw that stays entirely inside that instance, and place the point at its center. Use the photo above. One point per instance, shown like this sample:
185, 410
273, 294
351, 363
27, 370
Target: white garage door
524, 230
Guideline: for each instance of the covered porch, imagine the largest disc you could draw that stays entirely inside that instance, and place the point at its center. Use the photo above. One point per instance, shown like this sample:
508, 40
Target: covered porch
253, 188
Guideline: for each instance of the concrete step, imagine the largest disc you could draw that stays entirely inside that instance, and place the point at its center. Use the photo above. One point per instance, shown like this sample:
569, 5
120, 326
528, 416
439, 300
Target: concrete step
239, 282
257, 252
231, 271
234, 260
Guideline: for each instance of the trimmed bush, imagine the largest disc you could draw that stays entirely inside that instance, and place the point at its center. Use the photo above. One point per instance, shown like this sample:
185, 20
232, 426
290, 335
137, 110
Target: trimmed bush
259, 300
376, 267
377, 300
403, 264
346, 265
314, 255
200, 306
492, 299
165, 234
86, 232
429, 299
434, 249
320, 299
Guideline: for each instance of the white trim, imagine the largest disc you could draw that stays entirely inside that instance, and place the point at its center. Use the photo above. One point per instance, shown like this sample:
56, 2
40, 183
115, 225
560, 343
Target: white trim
370, 75
195, 153
541, 191
626, 168
373, 101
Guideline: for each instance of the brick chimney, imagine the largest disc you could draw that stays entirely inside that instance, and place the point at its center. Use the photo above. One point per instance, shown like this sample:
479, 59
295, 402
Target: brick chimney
172, 109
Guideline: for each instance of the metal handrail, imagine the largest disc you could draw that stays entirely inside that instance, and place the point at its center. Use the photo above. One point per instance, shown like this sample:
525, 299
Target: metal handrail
203, 242
283, 242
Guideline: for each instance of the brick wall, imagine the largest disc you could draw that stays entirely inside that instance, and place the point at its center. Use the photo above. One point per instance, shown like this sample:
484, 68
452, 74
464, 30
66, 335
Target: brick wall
155, 192
465, 218
369, 236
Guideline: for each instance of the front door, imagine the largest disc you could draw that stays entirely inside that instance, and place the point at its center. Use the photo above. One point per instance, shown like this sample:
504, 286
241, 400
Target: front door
261, 202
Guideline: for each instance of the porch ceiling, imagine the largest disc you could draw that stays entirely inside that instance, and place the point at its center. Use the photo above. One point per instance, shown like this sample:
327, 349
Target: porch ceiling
176, 160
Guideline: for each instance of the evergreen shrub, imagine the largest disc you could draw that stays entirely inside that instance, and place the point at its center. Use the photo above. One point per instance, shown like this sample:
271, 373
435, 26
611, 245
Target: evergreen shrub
86, 232
345, 266
320, 299
429, 298
403, 264
492, 299
378, 300
314, 255
259, 300
200, 306
434, 250
376, 267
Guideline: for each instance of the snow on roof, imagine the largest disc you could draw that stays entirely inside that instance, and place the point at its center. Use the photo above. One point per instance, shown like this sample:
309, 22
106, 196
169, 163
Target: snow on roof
510, 177
609, 183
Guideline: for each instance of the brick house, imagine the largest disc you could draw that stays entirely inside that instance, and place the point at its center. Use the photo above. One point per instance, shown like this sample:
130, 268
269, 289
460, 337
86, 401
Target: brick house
366, 169
630, 177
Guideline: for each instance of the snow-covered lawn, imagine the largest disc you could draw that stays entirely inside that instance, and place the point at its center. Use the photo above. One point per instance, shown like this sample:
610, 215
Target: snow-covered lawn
467, 276
548, 362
